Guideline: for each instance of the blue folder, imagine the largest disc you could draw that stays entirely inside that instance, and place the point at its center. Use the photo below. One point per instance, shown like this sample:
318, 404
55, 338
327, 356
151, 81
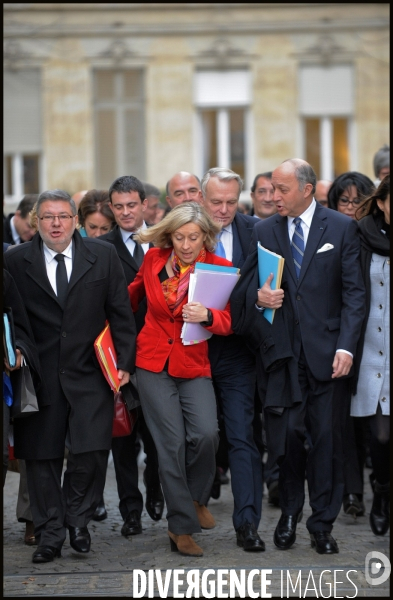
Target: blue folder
9, 342
269, 262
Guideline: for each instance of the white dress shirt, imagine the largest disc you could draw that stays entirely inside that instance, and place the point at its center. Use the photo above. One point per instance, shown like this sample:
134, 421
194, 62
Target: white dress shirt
306, 218
51, 263
14, 233
129, 242
227, 241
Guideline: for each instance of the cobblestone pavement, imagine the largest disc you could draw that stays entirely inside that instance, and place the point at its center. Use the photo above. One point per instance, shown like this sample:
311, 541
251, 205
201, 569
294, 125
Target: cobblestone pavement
108, 570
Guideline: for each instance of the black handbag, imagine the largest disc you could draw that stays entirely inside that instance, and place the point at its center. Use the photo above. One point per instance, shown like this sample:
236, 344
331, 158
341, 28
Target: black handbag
24, 397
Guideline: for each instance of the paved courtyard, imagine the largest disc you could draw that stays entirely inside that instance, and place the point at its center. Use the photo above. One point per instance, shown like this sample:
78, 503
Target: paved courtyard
110, 567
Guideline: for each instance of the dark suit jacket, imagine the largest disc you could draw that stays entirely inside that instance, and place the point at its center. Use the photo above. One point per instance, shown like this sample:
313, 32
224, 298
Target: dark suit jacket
7, 233
328, 299
219, 346
129, 266
73, 384
244, 225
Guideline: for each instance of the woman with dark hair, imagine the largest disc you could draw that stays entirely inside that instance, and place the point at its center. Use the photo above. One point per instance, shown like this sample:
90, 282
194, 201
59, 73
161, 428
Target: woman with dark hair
174, 379
348, 191
346, 195
94, 214
371, 397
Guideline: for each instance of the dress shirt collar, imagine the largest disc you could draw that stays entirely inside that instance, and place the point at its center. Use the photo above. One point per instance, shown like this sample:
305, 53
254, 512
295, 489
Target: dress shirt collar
306, 216
126, 234
228, 228
14, 233
50, 254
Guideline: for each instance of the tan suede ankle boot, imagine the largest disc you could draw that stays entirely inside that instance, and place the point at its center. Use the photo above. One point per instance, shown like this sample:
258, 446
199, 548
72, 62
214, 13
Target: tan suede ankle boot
205, 518
184, 544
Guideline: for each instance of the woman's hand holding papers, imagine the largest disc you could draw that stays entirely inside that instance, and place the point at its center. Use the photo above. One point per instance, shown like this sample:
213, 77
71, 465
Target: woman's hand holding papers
194, 312
269, 298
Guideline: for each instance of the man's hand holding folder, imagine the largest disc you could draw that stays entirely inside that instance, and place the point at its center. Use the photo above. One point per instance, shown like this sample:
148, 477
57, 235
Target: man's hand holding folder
270, 268
107, 357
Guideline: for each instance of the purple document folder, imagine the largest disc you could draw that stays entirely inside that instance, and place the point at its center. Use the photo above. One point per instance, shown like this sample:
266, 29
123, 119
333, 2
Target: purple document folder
212, 289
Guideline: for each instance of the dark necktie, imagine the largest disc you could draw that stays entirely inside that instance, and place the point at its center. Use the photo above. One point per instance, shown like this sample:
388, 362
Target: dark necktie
297, 245
61, 279
138, 255
220, 250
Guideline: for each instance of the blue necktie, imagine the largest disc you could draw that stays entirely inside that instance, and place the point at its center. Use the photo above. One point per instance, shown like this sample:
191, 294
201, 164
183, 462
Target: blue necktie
220, 250
297, 245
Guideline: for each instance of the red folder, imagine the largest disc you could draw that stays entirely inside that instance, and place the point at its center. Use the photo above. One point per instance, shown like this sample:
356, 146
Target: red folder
107, 357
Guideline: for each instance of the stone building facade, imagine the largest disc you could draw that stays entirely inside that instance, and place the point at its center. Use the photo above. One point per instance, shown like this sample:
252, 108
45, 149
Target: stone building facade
95, 91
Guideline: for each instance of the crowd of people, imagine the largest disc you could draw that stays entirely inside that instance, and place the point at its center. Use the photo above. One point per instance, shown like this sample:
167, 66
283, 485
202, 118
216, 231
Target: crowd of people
310, 389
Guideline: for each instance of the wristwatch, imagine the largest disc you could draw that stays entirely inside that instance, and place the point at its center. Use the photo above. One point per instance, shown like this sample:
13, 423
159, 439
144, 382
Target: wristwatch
209, 321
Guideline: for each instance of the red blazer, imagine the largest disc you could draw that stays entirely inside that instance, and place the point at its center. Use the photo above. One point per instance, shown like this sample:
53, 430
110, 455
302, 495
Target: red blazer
159, 338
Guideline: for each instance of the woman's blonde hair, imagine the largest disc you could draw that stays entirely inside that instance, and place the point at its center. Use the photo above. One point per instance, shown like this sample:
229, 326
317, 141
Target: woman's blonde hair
187, 212
33, 217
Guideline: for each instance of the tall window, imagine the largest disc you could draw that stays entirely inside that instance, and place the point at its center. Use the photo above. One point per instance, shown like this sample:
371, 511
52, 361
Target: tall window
22, 164
222, 99
119, 125
326, 108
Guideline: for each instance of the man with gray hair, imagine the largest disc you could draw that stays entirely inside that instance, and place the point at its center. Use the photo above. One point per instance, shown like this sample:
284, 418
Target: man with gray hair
233, 365
324, 299
71, 286
381, 163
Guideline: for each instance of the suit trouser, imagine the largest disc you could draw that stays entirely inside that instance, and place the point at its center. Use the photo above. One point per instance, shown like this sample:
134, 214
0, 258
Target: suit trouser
23, 510
181, 416
125, 460
54, 508
323, 462
353, 483
234, 383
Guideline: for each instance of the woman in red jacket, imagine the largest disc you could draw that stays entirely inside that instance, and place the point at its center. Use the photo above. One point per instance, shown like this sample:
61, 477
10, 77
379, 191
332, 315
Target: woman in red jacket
174, 380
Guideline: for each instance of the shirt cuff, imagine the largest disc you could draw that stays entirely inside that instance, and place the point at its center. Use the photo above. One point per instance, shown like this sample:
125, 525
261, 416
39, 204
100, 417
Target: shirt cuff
346, 352
260, 308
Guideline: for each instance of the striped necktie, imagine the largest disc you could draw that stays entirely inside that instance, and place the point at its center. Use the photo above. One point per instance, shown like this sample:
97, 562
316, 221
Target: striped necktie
220, 250
297, 245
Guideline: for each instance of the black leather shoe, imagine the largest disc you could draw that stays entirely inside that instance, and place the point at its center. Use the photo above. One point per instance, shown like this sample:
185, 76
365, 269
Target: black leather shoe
223, 478
285, 532
45, 554
353, 505
80, 539
380, 510
323, 542
248, 538
100, 512
132, 524
154, 501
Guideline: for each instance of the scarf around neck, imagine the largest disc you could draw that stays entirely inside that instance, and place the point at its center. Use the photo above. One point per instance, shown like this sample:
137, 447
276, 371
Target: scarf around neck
176, 288
375, 235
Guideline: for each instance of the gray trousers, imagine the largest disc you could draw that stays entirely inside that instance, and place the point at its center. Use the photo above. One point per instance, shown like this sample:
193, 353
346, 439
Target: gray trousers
181, 415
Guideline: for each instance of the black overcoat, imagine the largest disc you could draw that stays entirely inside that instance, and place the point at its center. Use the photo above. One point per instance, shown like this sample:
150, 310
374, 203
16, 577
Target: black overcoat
73, 385
130, 268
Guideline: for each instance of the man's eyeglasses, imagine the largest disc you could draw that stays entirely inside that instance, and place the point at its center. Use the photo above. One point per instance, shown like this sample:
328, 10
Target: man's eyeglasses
51, 218
346, 201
